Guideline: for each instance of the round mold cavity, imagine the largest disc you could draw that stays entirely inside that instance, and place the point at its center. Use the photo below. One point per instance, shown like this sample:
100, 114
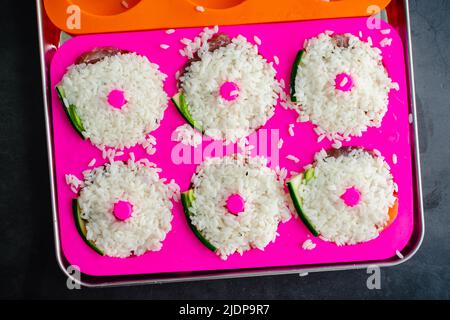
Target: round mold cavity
105, 7
218, 4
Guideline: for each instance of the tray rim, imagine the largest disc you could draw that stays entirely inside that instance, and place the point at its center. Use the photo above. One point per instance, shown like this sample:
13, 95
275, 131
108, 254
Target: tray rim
89, 281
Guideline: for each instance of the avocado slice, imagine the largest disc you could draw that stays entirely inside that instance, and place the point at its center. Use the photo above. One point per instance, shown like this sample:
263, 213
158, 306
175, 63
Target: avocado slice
186, 199
81, 226
71, 112
293, 186
294, 71
179, 100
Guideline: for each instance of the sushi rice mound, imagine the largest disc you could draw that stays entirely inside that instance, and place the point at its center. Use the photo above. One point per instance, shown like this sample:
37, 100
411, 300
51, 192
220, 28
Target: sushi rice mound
330, 216
152, 208
238, 62
265, 204
336, 113
87, 86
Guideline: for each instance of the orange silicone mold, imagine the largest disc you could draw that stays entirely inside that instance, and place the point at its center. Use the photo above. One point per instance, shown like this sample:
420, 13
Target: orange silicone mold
88, 16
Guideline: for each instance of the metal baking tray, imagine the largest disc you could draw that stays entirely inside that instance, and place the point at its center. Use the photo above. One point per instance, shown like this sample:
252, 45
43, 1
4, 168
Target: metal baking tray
396, 14
112, 16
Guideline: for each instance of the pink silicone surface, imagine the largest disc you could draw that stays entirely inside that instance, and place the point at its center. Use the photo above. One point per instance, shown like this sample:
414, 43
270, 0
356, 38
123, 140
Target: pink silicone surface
182, 251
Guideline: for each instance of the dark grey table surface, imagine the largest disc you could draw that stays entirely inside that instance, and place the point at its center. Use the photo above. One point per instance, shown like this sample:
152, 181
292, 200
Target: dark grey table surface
28, 266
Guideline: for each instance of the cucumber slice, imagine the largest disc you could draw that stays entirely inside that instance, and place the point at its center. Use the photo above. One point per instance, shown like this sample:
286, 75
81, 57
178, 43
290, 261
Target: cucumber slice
179, 100
81, 227
309, 174
293, 186
71, 112
186, 199
294, 70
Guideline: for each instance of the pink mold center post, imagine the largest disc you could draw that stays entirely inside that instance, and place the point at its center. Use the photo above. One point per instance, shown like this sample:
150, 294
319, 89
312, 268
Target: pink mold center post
235, 204
116, 99
351, 197
229, 91
123, 210
344, 82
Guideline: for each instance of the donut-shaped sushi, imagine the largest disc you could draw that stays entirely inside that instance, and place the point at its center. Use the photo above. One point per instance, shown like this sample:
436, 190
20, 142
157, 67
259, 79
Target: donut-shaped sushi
347, 197
235, 204
113, 97
123, 209
340, 84
227, 91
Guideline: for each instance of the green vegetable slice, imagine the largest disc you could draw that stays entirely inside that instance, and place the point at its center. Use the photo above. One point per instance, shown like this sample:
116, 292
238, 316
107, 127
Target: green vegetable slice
186, 199
294, 71
309, 174
293, 186
81, 227
71, 112
179, 100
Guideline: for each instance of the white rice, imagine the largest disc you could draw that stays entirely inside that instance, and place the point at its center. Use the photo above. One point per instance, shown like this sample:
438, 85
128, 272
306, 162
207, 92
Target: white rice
174, 191
277, 62
187, 136
291, 130
109, 154
308, 245
293, 158
280, 143
265, 206
164, 46
328, 213
386, 42
152, 209
149, 144
337, 144
238, 62
305, 274
170, 31
92, 162
200, 43
147, 163
399, 254
200, 8
186, 41
282, 174
303, 118
394, 159
336, 112
285, 99
73, 182
245, 147
87, 86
